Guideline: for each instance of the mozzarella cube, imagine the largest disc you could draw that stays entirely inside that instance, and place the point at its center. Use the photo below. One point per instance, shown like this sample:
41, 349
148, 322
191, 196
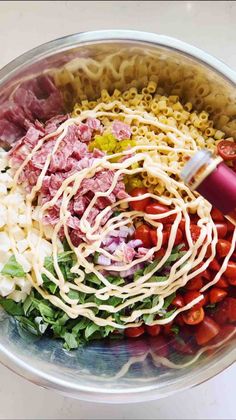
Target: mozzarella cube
22, 245
17, 233
3, 215
24, 262
22, 220
23, 283
7, 285
3, 189
5, 243
18, 296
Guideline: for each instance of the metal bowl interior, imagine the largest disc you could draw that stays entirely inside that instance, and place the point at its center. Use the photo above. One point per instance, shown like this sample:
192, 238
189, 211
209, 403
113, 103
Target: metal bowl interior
119, 371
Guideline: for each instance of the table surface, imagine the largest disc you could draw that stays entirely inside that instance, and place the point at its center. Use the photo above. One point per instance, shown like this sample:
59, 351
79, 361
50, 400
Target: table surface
205, 24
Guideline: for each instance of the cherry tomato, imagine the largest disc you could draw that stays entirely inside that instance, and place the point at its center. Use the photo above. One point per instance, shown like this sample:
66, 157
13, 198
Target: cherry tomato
153, 330
143, 232
190, 296
214, 265
230, 226
222, 283
159, 345
222, 248
157, 208
153, 234
227, 149
230, 271
225, 331
195, 232
222, 229
181, 346
179, 320
195, 284
207, 330
178, 236
139, 205
217, 295
232, 281
133, 332
159, 254
226, 311
193, 316
217, 215
178, 301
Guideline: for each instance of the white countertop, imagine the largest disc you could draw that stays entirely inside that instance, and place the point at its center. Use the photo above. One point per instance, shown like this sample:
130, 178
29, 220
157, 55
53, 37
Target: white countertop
209, 25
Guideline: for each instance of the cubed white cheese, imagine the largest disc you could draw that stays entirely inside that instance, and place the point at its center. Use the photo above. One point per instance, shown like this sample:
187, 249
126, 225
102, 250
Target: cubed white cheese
22, 220
18, 296
3, 189
22, 245
5, 243
3, 215
17, 233
23, 283
7, 285
6, 179
24, 262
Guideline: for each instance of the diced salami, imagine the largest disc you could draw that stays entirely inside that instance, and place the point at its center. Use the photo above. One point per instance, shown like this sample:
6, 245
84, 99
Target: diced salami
120, 130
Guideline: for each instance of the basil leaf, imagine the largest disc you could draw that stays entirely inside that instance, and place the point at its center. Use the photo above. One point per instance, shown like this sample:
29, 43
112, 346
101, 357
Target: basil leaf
63, 257
150, 267
45, 310
91, 277
49, 285
90, 329
168, 301
70, 341
73, 294
157, 279
175, 329
81, 325
11, 307
13, 268
148, 318
27, 325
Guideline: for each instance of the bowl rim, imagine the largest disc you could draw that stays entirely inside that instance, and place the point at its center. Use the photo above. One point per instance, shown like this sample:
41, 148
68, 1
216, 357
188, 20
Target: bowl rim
19, 366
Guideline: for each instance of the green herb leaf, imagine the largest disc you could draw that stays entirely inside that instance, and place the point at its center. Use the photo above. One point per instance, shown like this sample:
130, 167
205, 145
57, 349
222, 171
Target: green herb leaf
175, 329
148, 318
45, 310
13, 268
11, 307
63, 257
157, 279
70, 341
168, 301
73, 294
150, 267
90, 329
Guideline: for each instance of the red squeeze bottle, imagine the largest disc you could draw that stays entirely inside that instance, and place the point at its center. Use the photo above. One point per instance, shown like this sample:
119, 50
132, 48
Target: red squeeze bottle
214, 180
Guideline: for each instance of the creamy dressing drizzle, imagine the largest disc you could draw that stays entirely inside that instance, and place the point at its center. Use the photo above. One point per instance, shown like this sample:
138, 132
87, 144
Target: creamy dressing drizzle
136, 291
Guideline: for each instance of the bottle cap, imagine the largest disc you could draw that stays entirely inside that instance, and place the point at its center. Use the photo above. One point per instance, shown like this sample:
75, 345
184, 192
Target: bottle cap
194, 164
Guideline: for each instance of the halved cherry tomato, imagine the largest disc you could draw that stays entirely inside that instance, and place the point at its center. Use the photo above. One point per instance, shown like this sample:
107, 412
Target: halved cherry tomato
193, 316
222, 248
214, 265
179, 320
217, 295
181, 346
141, 204
167, 329
157, 208
159, 345
217, 215
190, 296
226, 311
133, 332
230, 226
195, 284
232, 281
222, 229
153, 330
230, 271
227, 149
178, 301
178, 236
222, 283
225, 331
207, 330
143, 232
159, 254
153, 234
195, 232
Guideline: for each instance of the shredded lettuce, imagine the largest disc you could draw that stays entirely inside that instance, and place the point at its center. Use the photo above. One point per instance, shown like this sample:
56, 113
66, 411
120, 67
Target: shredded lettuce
13, 268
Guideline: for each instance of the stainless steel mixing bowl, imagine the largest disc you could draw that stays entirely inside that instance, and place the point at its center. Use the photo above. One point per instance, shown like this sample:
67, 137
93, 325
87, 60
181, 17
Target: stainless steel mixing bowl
120, 371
